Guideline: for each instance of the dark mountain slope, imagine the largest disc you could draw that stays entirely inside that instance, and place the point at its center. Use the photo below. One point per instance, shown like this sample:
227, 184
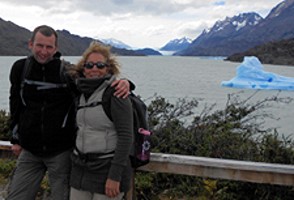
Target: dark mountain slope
278, 53
14, 42
13, 39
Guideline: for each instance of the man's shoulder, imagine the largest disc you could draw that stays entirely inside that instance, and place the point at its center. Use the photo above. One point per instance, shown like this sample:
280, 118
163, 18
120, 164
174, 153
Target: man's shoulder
20, 61
18, 65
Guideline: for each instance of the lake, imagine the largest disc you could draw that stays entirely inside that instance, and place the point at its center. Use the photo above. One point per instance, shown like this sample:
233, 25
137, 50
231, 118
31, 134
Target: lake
185, 77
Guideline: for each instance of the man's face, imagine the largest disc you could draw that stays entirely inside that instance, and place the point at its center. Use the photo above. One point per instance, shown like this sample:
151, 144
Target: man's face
43, 47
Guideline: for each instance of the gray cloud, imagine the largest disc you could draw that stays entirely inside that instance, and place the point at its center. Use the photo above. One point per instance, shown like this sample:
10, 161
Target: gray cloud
42, 4
114, 7
125, 19
137, 7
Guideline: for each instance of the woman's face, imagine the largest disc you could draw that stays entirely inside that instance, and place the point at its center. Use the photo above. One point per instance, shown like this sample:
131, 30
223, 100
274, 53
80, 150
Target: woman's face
95, 66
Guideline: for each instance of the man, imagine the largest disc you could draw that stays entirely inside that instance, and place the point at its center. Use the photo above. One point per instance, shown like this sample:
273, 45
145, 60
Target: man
42, 119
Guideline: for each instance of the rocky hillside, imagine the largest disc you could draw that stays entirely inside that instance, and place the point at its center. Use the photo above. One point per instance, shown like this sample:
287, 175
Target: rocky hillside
278, 53
13, 39
14, 42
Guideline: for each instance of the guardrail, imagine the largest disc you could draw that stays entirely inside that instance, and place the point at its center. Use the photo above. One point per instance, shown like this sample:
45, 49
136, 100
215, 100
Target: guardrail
5, 149
216, 168
256, 172
5, 145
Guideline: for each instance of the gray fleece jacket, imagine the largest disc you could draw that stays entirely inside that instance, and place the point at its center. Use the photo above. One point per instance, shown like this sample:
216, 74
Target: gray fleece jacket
98, 134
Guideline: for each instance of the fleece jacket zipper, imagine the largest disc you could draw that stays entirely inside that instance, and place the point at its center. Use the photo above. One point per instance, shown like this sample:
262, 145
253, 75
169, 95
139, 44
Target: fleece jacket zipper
42, 112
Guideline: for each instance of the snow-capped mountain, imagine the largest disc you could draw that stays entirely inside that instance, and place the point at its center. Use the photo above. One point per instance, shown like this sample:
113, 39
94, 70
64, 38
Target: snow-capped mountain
208, 41
227, 28
115, 43
239, 33
177, 44
120, 45
231, 25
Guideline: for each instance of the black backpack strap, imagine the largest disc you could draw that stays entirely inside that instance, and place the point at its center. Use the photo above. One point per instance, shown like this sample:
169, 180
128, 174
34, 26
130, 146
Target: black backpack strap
106, 101
40, 84
25, 71
45, 85
64, 77
97, 103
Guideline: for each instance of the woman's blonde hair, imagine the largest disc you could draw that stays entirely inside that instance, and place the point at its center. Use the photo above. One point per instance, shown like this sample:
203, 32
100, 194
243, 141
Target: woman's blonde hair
96, 47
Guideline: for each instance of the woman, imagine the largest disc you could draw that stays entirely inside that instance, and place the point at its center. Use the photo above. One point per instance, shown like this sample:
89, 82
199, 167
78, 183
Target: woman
101, 165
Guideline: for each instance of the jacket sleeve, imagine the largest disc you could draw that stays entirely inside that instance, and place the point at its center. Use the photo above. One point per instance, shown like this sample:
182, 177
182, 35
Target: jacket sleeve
15, 102
122, 115
132, 85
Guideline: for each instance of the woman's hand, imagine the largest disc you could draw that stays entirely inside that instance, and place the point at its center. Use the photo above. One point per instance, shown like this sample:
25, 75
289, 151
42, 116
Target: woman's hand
122, 88
112, 188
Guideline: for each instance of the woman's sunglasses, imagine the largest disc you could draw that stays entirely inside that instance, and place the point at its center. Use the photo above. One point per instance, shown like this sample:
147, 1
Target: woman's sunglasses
99, 65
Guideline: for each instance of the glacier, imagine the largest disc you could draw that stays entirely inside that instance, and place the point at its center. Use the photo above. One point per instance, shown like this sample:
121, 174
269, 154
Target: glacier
250, 74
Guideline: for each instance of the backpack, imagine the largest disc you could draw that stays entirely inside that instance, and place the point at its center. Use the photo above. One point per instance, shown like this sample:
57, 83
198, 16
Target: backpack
140, 151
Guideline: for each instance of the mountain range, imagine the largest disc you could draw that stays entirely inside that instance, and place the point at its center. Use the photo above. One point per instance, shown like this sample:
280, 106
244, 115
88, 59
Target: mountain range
14, 42
177, 44
226, 37
239, 33
116, 43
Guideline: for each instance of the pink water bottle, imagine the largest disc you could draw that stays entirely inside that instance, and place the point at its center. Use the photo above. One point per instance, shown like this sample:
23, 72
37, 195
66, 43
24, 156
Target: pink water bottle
144, 153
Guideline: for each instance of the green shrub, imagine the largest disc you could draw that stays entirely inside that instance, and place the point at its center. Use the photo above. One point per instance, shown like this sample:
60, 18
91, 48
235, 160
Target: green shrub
231, 133
6, 168
4, 125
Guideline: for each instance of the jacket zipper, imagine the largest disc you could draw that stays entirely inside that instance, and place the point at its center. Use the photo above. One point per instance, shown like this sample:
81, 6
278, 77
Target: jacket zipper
83, 131
42, 112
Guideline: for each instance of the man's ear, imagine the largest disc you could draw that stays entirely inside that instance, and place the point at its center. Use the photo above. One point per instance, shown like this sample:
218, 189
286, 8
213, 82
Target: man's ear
56, 49
30, 44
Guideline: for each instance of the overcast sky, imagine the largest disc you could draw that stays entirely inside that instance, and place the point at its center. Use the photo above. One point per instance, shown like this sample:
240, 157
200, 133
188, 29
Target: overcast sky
138, 23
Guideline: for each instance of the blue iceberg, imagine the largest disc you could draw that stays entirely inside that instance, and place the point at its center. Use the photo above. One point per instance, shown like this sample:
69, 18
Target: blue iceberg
250, 74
